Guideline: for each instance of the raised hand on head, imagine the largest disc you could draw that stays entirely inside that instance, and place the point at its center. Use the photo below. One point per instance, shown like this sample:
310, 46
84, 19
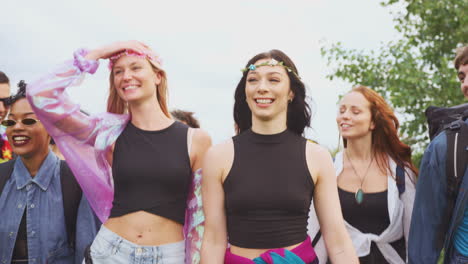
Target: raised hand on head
107, 51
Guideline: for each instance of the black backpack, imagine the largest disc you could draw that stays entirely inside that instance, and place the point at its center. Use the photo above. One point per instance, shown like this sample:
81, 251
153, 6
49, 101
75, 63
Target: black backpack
440, 118
451, 120
71, 195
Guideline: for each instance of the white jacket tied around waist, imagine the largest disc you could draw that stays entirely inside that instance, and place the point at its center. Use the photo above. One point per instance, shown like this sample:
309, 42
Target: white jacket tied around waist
400, 208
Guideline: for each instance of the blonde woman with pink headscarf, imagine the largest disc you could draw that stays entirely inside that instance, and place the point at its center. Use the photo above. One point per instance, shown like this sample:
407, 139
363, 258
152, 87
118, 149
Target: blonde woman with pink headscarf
138, 167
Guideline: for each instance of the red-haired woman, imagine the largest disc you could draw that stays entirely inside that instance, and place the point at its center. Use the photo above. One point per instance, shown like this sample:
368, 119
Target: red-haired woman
376, 178
376, 200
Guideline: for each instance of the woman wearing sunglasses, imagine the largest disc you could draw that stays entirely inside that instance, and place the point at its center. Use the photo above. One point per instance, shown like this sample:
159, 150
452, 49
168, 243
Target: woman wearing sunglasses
134, 163
34, 199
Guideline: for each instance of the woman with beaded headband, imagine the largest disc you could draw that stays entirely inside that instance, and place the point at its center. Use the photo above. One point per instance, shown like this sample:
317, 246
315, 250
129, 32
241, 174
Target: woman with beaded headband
375, 177
258, 187
134, 162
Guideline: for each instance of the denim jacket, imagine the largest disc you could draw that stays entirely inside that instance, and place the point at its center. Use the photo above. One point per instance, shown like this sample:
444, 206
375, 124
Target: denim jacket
430, 204
41, 197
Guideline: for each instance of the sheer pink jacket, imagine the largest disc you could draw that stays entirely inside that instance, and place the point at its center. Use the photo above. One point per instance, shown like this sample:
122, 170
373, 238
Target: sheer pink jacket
85, 139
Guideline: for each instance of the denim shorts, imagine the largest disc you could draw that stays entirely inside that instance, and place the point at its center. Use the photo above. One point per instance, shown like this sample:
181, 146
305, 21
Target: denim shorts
458, 258
108, 247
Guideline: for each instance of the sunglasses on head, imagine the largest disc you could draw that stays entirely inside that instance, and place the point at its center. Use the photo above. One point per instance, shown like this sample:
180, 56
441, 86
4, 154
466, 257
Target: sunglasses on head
26, 122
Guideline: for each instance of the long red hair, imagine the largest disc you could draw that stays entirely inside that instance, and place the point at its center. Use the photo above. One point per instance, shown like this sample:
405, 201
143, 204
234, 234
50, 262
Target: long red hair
385, 139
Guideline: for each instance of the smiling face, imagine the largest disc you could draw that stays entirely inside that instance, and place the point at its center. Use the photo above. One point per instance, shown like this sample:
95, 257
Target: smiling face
354, 116
134, 79
267, 92
26, 140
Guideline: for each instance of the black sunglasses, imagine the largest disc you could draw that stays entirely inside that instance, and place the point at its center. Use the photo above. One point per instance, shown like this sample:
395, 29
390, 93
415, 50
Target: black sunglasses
26, 122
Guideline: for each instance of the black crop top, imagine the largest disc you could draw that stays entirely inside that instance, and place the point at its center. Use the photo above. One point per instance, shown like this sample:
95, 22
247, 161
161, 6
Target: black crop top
371, 216
152, 172
20, 251
268, 191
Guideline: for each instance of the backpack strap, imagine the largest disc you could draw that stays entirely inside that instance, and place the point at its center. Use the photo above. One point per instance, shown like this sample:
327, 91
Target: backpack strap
71, 196
316, 238
457, 142
456, 161
400, 179
6, 169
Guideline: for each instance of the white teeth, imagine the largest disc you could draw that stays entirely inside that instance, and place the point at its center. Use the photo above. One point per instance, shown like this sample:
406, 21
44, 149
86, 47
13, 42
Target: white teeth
345, 125
130, 87
264, 101
20, 139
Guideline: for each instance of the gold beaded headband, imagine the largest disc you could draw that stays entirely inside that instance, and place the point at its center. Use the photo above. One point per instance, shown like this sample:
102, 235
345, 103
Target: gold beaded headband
271, 62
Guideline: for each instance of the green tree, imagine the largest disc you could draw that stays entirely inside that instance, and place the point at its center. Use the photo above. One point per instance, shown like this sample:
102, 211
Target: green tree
415, 71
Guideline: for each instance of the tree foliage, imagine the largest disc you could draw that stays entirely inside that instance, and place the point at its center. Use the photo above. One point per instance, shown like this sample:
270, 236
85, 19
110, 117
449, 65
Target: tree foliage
415, 71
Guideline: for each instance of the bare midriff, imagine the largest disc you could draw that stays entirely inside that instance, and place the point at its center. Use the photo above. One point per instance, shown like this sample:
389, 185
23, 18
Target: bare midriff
252, 253
146, 229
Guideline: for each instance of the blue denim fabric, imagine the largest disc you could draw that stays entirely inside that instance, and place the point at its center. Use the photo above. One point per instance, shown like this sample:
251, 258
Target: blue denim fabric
41, 197
430, 203
110, 248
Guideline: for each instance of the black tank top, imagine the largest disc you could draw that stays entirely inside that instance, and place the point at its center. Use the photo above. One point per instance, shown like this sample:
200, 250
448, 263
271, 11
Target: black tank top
152, 172
20, 251
370, 217
268, 191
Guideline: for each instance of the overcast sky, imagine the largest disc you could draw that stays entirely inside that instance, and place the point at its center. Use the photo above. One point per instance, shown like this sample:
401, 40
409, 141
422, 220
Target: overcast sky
203, 45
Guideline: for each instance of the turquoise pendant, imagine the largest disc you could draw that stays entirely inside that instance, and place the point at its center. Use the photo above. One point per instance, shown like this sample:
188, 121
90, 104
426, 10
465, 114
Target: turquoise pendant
359, 196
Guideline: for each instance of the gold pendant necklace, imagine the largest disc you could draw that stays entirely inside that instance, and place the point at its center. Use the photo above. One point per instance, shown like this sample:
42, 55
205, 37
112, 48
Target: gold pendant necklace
359, 194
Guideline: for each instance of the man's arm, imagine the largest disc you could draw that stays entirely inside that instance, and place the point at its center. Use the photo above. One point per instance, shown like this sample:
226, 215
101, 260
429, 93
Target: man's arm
429, 204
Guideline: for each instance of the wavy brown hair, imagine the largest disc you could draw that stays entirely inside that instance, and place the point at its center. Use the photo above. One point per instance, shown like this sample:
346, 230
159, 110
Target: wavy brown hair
117, 105
385, 139
186, 117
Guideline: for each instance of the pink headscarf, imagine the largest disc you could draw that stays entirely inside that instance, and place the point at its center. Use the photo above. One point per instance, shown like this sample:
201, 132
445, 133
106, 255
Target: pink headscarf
152, 57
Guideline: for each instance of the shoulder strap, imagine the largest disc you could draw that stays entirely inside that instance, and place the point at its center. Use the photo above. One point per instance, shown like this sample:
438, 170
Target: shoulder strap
316, 238
457, 142
71, 196
400, 179
455, 165
6, 169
